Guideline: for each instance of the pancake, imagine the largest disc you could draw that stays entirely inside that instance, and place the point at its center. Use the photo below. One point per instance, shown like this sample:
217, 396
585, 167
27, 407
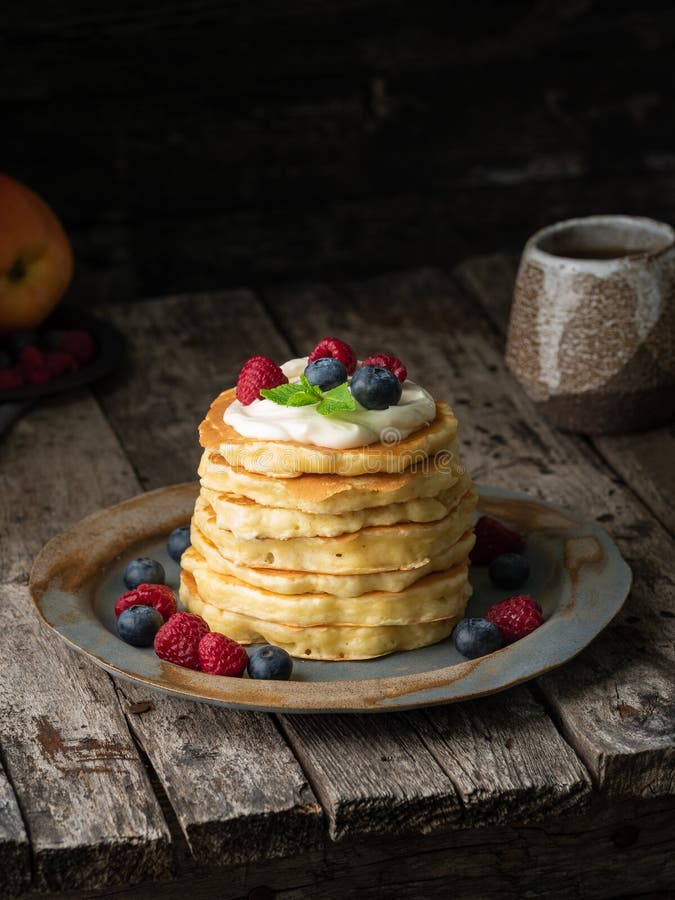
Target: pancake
287, 582
333, 494
248, 519
281, 459
429, 599
374, 549
329, 642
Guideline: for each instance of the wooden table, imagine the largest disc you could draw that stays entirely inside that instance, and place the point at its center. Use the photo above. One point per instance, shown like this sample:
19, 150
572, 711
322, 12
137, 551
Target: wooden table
563, 787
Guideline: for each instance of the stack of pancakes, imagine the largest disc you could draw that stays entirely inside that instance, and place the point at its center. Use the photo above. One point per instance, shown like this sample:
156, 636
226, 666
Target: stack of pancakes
330, 554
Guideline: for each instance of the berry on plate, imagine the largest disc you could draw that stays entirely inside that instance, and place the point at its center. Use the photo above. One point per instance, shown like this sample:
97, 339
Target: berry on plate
143, 571
220, 655
257, 373
332, 346
326, 373
509, 570
388, 362
375, 387
515, 617
177, 641
494, 538
476, 637
270, 662
178, 542
138, 625
158, 596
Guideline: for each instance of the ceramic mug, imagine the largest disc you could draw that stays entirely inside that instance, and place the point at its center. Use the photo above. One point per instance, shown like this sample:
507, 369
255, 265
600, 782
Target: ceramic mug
592, 330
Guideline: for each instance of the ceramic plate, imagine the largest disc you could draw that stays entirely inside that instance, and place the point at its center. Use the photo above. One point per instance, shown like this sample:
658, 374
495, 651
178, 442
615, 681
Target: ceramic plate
577, 574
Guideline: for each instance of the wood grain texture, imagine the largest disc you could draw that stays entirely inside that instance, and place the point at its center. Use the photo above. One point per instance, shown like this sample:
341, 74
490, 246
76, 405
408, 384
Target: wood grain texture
505, 758
447, 343
644, 460
182, 352
234, 785
15, 865
623, 852
373, 775
92, 817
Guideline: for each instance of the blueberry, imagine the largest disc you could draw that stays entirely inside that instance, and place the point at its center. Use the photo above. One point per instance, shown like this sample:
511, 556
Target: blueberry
138, 625
178, 542
17, 340
326, 373
143, 571
509, 570
376, 387
476, 637
5, 360
269, 661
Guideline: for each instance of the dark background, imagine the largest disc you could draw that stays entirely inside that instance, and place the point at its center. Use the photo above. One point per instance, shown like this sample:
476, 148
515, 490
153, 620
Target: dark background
207, 144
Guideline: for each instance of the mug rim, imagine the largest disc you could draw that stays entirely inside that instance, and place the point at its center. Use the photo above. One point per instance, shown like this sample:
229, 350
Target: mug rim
654, 225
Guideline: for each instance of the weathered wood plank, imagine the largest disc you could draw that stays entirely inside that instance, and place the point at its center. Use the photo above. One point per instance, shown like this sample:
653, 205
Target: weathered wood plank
236, 789
446, 340
183, 351
644, 460
92, 817
505, 759
610, 852
373, 775
15, 864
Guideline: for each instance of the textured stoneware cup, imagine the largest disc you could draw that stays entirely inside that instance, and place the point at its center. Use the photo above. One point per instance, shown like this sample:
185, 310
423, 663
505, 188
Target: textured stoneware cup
592, 330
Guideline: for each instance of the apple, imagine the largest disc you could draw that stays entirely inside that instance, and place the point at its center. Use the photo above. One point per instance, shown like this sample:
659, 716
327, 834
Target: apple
36, 259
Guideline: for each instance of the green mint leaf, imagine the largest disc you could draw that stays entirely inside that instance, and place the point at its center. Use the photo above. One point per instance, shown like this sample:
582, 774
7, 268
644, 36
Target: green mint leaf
337, 399
282, 394
310, 388
302, 398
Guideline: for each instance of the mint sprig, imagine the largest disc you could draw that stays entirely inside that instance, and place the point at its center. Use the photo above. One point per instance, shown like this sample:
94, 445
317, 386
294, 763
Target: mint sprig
335, 400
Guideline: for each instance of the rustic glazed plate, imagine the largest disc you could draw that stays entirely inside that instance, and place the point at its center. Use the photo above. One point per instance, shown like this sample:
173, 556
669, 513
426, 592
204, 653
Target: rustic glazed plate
577, 574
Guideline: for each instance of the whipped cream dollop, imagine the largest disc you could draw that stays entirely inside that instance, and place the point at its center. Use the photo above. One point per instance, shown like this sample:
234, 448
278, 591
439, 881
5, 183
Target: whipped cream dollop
264, 420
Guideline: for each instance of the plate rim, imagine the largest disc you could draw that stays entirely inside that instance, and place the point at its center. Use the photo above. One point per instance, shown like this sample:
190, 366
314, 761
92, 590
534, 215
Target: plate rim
380, 694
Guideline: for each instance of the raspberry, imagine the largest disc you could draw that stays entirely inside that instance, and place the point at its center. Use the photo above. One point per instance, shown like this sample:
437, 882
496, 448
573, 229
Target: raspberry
388, 362
258, 372
9, 379
31, 358
493, 538
336, 348
38, 376
220, 655
159, 596
177, 641
79, 344
59, 363
515, 617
